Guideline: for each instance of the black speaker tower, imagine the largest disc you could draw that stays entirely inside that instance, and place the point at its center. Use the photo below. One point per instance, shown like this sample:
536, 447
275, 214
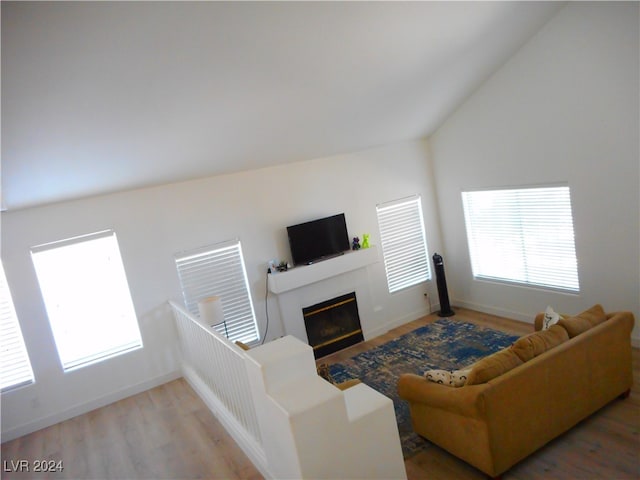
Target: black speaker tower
443, 294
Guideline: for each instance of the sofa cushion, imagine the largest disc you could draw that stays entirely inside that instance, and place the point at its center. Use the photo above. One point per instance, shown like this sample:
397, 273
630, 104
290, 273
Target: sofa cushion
536, 343
450, 378
584, 321
493, 366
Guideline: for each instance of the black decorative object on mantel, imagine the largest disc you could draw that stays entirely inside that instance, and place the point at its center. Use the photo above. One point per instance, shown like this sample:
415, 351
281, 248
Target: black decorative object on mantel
443, 294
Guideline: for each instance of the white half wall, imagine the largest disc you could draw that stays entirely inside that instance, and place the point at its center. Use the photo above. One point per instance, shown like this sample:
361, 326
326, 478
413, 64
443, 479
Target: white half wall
565, 108
312, 429
153, 224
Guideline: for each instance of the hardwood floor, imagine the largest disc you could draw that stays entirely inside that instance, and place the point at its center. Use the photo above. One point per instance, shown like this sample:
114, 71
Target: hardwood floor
164, 433
168, 432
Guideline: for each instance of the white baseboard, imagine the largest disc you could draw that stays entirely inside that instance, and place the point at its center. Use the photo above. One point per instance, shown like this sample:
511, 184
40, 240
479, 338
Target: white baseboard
396, 322
75, 410
500, 312
635, 341
436, 306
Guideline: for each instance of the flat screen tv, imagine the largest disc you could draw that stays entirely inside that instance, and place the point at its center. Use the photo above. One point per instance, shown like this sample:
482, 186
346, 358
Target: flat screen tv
318, 239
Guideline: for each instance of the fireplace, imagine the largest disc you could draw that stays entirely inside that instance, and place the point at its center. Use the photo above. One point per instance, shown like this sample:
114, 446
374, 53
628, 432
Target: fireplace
333, 324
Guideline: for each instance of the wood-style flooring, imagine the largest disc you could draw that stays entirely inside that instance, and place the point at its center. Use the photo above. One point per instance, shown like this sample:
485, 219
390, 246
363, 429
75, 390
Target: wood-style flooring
168, 432
163, 433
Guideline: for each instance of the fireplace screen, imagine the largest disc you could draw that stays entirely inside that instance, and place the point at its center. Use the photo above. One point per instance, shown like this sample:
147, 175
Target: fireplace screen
333, 325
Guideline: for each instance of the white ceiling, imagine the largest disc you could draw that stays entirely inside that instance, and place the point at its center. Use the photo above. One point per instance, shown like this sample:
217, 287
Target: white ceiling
99, 97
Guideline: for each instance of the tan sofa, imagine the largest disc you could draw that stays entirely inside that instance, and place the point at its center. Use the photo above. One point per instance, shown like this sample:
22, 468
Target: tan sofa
543, 385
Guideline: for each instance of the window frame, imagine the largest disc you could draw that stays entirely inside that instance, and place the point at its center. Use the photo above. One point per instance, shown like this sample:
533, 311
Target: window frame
230, 283
401, 270
534, 208
63, 316
13, 349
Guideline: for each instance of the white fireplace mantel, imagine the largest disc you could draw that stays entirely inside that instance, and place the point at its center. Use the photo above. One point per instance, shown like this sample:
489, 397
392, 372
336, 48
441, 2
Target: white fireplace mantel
307, 274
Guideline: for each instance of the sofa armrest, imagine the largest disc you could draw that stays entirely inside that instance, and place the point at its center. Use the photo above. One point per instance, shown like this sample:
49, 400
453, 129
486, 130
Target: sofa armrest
629, 318
467, 401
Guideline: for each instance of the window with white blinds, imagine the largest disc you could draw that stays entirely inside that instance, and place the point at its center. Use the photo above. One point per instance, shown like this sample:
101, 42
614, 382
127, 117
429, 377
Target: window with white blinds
219, 270
522, 235
86, 293
404, 246
15, 367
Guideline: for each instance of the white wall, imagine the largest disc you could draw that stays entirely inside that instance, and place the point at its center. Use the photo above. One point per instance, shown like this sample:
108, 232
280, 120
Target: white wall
155, 223
564, 108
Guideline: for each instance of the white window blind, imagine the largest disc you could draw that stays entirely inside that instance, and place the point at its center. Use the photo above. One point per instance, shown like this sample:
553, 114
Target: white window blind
15, 367
219, 270
404, 246
522, 235
85, 290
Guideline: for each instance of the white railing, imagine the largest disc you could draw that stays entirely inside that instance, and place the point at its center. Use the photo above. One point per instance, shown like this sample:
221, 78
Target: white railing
215, 368
313, 429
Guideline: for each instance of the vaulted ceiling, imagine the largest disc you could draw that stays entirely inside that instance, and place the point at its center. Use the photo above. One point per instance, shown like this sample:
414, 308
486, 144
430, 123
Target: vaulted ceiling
100, 97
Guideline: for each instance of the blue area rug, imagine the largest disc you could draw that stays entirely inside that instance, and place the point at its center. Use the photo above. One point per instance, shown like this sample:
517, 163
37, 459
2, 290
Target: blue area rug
447, 343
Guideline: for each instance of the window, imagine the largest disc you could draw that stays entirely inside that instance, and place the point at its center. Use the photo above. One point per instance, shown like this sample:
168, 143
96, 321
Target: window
522, 235
87, 297
219, 271
404, 246
15, 367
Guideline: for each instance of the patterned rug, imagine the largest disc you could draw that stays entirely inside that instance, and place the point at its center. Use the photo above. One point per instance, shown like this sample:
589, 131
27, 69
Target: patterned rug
447, 343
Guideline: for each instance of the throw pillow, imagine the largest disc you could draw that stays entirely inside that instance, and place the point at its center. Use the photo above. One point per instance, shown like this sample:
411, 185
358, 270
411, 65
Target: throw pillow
550, 318
493, 366
584, 321
534, 344
451, 378
459, 377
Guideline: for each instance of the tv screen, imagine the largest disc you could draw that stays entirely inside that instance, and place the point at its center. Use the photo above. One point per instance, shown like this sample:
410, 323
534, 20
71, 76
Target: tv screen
318, 239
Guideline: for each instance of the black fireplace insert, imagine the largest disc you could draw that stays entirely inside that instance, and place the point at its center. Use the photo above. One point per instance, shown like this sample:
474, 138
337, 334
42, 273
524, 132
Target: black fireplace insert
333, 324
